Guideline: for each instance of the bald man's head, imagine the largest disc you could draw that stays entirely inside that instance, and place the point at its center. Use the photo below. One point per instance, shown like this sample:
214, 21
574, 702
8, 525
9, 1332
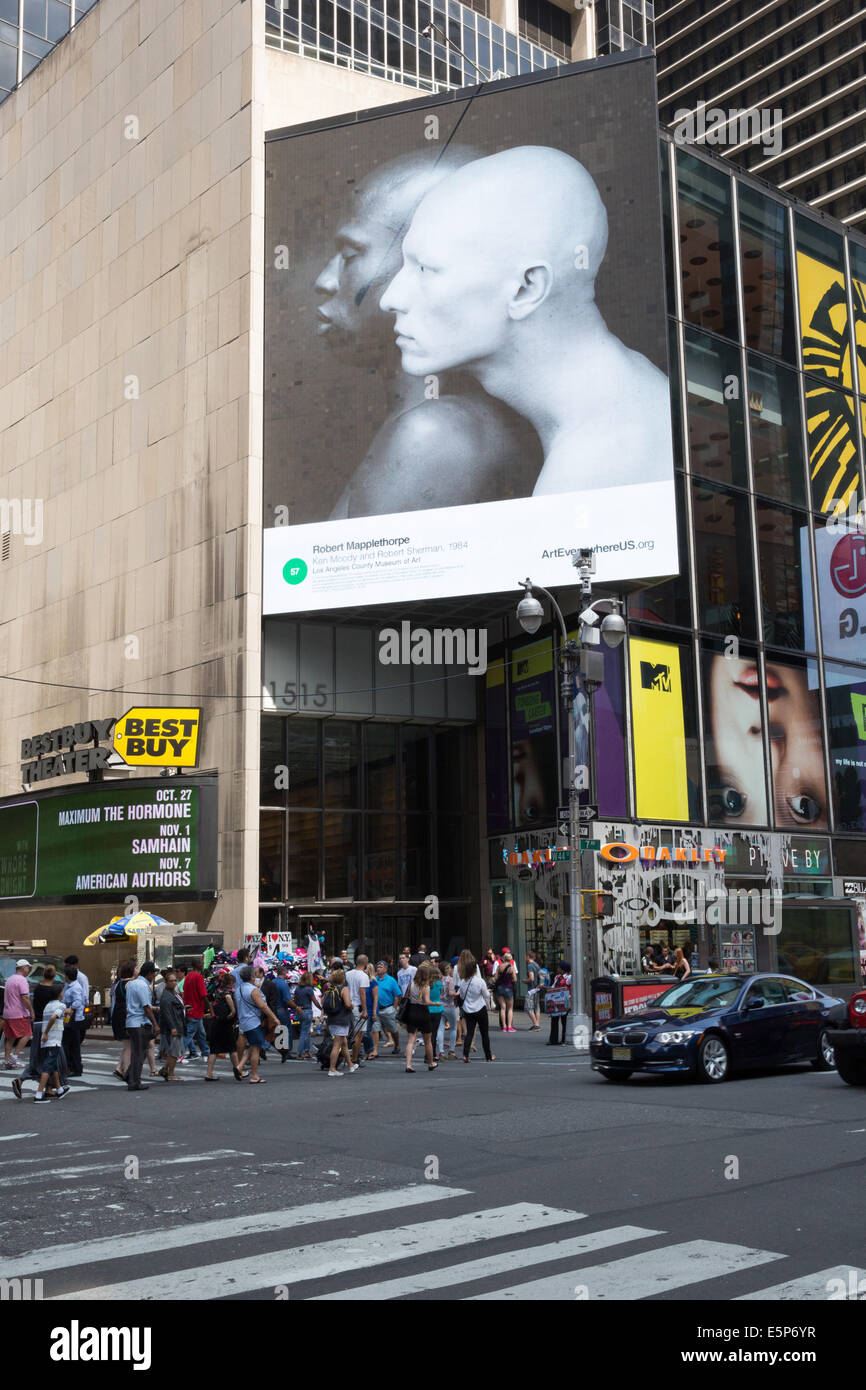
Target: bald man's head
512, 236
368, 250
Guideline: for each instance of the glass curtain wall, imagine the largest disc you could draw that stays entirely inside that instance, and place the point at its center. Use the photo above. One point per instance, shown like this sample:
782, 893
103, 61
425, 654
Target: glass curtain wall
29, 30
762, 638
386, 38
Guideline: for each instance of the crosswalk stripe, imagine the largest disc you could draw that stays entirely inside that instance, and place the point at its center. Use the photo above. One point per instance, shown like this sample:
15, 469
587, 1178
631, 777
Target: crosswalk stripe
253, 1224
639, 1276
812, 1287
493, 1264
326, 1259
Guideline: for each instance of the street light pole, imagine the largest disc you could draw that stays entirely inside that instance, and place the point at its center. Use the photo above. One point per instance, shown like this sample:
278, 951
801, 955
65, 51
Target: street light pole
569, 659
530, 615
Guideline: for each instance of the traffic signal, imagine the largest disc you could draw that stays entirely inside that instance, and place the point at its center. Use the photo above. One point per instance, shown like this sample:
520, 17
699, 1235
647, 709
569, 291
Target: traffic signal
594, 904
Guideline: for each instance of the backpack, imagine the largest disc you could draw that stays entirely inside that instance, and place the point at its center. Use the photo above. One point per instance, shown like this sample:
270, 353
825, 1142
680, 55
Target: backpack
118, 1012
332, 1001
543, 977
221, 1007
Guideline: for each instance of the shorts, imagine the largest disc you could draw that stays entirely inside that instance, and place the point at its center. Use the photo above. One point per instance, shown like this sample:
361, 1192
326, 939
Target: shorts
49, 1059
255, 1037
18, 1027
338, 1030
531, 998
386, 1021
505, 993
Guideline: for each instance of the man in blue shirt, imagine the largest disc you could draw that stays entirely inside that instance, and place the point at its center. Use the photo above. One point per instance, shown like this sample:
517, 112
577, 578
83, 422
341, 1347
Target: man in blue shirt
384, 1009
283, 992
139, 1010
73, 998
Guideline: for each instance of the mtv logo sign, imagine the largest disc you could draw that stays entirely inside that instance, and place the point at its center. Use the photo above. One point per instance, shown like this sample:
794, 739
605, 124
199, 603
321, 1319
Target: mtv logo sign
654, 677
858, 709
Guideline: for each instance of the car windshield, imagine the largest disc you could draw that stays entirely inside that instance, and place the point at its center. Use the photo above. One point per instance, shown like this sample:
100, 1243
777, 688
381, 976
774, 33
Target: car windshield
37, 968
710, 992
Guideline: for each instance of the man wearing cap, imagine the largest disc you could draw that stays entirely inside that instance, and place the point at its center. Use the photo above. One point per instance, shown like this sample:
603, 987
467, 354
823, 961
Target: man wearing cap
17, 1014
385, 1018
139, 1010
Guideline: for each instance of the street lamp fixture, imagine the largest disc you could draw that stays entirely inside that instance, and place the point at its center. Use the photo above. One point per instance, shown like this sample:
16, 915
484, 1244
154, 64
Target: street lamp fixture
530, 613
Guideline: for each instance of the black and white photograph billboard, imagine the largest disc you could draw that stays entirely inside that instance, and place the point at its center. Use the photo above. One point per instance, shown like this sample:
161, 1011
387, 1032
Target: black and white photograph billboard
465, 349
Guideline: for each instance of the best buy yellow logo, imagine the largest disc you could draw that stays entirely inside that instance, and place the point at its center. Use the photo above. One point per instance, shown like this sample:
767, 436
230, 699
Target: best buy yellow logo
146, 737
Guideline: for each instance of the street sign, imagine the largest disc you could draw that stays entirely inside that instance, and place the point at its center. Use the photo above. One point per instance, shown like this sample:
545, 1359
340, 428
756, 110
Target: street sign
590, 844
562, 815
585, 814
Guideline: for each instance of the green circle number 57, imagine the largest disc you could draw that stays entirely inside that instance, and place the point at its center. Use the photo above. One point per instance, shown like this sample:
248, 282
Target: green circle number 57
295, 571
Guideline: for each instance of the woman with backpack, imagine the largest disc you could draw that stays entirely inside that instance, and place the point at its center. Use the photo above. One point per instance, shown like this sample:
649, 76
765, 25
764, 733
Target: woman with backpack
224, 1037
118, 1016
474, 999
417, 1017
337, 1008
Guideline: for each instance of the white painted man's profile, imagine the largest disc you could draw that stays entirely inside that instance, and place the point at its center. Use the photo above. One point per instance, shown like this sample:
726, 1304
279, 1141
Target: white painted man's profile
498, 278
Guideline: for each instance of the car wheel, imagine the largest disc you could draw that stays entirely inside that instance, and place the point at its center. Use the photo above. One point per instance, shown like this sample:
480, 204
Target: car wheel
615, 1075
851, 1069
714, 1060
826, 1058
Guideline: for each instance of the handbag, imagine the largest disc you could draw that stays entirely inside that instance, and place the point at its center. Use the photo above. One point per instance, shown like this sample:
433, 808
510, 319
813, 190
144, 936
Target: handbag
403, 1006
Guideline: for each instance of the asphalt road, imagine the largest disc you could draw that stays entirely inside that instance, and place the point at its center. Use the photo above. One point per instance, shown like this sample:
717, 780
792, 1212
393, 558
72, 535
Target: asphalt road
529, 1178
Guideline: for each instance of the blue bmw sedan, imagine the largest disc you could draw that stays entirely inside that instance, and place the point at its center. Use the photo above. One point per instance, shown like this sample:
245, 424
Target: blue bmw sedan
711, 1025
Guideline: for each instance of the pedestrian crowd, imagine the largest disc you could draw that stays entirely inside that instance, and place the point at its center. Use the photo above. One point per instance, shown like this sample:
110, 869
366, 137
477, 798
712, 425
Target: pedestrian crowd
250, 1009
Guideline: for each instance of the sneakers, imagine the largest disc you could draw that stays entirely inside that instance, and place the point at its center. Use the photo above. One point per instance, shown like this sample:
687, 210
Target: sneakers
64, 1091
335, 1073
17, 1088
13, 1064
354, 1067
41, 1100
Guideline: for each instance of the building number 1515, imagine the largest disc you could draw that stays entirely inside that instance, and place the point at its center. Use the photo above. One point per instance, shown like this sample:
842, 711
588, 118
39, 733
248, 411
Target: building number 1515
294, 694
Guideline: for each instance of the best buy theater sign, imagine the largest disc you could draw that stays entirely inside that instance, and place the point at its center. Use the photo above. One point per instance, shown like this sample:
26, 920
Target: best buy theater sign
143, 737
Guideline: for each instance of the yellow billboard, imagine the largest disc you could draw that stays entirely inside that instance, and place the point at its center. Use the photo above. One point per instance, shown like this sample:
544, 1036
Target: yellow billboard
147, 737
658, 724
827, 362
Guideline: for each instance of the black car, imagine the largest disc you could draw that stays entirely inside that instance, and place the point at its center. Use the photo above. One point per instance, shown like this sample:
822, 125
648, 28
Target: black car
710, 1025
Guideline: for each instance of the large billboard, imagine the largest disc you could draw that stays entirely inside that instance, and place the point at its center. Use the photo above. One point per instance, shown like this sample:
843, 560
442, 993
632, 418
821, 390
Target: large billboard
101, 843
466, 373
